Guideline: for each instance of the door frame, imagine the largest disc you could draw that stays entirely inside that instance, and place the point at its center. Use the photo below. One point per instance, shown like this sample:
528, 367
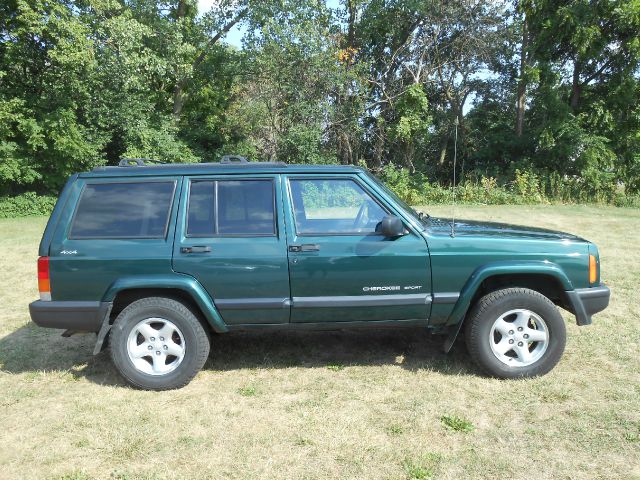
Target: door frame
406, 299
239, 303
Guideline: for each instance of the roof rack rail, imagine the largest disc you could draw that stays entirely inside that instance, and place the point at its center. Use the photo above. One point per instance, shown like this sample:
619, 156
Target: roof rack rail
233, 159
132, 162
138, 162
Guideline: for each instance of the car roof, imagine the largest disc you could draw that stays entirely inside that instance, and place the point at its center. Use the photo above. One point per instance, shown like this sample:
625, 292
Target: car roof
216, 168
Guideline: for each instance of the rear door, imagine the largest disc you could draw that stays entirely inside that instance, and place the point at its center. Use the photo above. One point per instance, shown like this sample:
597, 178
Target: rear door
341, 270
230, 237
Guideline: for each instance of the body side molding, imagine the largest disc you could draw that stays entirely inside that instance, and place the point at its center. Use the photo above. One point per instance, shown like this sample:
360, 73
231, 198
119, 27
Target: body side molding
251, 303
445, 298
362, 300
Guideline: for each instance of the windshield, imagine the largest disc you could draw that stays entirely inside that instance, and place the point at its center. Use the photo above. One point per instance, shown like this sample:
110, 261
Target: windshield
420, 216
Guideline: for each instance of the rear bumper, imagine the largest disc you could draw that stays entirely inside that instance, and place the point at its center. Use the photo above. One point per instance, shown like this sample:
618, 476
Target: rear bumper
79, 316
585, 302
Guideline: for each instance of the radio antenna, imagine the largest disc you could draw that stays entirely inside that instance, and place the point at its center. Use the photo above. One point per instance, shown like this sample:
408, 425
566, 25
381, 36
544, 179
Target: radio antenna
453, 186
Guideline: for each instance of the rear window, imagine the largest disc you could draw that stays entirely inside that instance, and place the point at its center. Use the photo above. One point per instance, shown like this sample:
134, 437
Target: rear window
238, 207
123, 210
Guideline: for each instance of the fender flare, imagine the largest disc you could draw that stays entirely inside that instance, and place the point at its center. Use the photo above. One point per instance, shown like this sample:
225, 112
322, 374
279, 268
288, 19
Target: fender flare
480, 274
178, 281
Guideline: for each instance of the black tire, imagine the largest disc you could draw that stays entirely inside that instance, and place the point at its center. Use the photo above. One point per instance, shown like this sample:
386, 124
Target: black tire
491, 307
194, 340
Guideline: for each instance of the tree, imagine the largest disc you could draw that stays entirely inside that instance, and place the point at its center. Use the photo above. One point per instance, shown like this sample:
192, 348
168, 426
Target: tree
544, 85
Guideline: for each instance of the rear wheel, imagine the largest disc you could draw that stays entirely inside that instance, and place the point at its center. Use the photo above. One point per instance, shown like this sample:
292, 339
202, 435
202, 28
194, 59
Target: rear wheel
515, 332
158, 344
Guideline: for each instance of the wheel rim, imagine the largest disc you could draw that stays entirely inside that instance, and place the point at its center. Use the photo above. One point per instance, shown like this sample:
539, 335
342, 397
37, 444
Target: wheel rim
519, 338
156, 346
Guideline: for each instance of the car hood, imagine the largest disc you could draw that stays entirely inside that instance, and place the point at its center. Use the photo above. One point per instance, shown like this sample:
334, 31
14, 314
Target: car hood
439, 226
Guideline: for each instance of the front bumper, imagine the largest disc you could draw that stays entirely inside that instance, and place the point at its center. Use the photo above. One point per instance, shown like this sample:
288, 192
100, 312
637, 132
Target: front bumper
78, 316
585, 302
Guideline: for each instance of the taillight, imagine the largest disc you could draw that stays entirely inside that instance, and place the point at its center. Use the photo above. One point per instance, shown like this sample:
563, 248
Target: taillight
593, 269
44, 284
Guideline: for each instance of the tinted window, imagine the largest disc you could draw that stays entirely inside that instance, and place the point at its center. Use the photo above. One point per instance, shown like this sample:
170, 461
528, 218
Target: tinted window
242, 207
123, 210
201, 215
245, 207
334, 206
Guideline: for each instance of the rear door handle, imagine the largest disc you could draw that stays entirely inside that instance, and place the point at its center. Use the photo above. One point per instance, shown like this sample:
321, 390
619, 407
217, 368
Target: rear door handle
307, 247
196, 249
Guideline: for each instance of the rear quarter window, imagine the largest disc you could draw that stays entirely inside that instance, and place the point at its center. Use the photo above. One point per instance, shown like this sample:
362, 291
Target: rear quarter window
123, 210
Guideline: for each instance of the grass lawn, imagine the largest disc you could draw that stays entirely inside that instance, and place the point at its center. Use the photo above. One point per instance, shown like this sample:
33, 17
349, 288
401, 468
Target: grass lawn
359, 404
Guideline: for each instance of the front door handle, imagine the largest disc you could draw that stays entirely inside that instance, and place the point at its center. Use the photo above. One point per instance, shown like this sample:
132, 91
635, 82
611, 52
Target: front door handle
196, 249
307, 247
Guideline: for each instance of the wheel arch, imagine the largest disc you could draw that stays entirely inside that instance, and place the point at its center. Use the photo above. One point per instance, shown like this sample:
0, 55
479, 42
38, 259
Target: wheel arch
543, 283
181, 287
544, 277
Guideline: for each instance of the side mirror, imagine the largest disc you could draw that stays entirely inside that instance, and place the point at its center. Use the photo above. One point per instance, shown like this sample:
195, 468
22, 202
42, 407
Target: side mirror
391, 227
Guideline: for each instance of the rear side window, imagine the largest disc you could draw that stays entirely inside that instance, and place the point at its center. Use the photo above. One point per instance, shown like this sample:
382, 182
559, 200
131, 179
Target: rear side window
123, 210
231, 207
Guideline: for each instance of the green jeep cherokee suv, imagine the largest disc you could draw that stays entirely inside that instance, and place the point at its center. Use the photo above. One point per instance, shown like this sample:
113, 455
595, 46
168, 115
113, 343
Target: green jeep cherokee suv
156, 258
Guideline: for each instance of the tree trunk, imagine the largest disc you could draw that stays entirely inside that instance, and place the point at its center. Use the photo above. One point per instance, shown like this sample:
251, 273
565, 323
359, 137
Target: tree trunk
178, 98
178, 91
443, 150
522, 83
575, 87
182, 7
352, 21
378, 149
409, 153
345, 148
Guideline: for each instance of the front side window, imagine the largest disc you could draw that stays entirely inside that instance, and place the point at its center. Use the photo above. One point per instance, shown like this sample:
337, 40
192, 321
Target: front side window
231, 207
123, 210
334, 206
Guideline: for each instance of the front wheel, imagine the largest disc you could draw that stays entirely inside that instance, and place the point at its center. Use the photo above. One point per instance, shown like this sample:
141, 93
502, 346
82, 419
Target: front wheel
158, 344
515, 332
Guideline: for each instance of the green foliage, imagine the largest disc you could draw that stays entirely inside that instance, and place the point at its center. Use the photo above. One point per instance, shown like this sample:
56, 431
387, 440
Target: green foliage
526, 187
75, 475
528, 184
248, 391
413, 114
457, 424
335, 367
26, 204
395, 429
324, 194
423, 468
378, 83
412, 188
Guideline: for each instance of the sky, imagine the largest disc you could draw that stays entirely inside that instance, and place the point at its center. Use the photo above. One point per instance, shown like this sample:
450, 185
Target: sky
234, 37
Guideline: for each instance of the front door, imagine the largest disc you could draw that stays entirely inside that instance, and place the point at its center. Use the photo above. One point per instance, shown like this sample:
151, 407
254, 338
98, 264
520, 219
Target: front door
341, 269
231, 239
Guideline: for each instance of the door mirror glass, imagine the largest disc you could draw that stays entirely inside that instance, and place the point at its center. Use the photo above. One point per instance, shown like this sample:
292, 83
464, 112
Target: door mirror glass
391, 227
